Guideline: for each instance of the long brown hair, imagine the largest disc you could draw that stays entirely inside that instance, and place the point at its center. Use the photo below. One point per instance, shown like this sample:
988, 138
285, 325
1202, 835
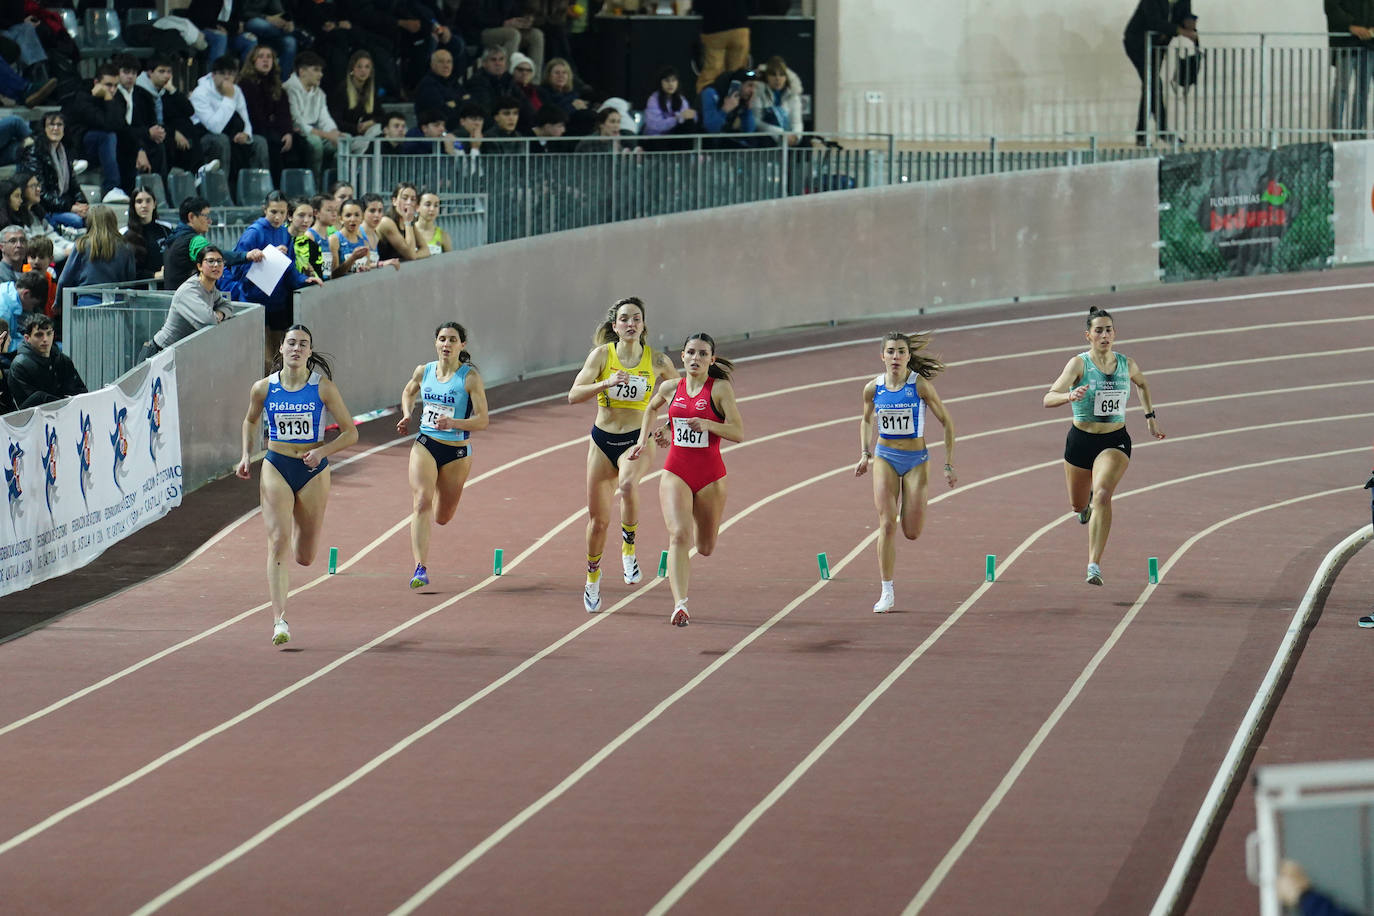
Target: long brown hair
315, 361
605, 332
922, 364
367, 95
102, 240
272, 79
722, 367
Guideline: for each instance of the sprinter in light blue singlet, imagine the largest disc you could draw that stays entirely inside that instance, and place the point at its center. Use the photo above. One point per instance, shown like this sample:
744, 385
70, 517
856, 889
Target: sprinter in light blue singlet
1097, 383
895, 406
453, 404
295, 476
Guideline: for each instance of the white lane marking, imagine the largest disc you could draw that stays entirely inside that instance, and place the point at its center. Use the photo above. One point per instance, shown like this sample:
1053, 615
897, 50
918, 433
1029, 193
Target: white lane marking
1028, 752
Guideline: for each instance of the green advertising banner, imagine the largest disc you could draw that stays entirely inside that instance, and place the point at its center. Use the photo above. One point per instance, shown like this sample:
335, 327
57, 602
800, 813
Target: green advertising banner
1236, 212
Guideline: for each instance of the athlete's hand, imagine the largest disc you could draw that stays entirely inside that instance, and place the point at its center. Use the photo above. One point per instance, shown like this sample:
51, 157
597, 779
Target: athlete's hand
862, 468
445, 423
951, 478
1078, 393
621, 377
312, 459
242, 469
403, 425
697, 424
1153, 426
634, 452
662, 437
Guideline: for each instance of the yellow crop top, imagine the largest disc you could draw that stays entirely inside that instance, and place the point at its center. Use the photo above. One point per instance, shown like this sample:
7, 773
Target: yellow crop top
636, 392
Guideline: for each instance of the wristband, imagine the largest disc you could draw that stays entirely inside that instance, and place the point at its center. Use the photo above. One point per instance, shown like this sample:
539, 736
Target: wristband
867, 453
949, 467
1150, 415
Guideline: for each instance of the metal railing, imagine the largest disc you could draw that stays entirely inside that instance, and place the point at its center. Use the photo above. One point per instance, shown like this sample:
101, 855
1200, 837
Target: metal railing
104, 339
463, 216
1257, 89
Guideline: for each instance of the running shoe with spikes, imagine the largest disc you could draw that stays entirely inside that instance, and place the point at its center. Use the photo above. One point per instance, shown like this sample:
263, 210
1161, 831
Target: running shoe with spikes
1086, 514
631, 564
281, 633
1094, 574
420, 578
679, 616
591, 597
886, 601
1366, 621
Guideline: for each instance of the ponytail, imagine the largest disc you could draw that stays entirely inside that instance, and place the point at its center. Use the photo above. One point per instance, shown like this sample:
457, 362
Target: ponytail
925, 366
605, 332
463, 355
722, 368
316, 361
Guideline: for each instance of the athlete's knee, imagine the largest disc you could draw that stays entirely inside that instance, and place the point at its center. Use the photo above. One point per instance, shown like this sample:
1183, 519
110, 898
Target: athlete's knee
445, 514
912, 532
1102, 498
423, 502
706, 547
678, 535
625, 489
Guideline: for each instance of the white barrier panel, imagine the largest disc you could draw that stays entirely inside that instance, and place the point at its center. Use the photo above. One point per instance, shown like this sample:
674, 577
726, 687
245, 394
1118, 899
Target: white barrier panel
87, 473
1353, 201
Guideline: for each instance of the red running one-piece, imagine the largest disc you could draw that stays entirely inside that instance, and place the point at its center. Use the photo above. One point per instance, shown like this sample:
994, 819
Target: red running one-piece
694, 455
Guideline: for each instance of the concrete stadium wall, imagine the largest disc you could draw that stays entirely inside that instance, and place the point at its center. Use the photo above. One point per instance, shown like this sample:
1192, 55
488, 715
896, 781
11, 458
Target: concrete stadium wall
531, 305
215, 368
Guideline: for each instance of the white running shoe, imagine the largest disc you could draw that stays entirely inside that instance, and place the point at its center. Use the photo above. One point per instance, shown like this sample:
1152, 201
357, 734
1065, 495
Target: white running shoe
591, 597
281, 633
885, 602
631, 564
79, 166
115, 196
679, 616
1094, 574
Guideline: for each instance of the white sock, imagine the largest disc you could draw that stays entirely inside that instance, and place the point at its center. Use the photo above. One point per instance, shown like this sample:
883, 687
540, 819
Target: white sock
887, 587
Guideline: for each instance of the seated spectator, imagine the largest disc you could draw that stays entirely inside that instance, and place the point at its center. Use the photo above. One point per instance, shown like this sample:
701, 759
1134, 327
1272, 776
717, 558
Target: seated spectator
101, 256
506, 24
152, 155
490, 82
221, 112
186, 241
197, 303
146, 234
269, 110
549, 126
559, 87
267, 19
522, 73
394, 136
219, 23
16, 139
14, 246
15, 89
777, 103
97, 122
278, 302
505, 119
59, 191
432, 125
310, 113
607, 136
667, 111
22, 207
40, 262
40, 373
353, 103
472, 121
159, 105
725, 109
349, 248
304, 248
427, 230
440, 89
20, 301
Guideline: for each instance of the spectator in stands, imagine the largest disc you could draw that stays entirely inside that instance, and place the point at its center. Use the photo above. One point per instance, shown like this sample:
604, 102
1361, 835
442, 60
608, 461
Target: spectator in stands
551, 17
29, 295
186, 241
432, 125
1155, 21
267, 20
394, 136
97, 122
726, 108
490, 81
304, 248
40, 262
24, 208
398, 29
777, 104
168, 115
222, 114
607, 136
151, 156
439, 89
472, 121
342, 192
101, 256
506, 126
522, 72
40, 373
197, 303
310, 116
724, 38
326, 218
350, 248
427, 229
219, 23
549, 126
395, 231
1351, 56
269, 110
146, 234
508, 24
560, 88
59, 191
15, 89
278, 302
16, 139
14, 251
667, 111
353, 103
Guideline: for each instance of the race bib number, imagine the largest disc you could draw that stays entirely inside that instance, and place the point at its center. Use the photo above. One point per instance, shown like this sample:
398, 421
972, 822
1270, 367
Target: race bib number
295, 427
896, 422
632, 389
436, 249
432, 413
1110, 401
686, 437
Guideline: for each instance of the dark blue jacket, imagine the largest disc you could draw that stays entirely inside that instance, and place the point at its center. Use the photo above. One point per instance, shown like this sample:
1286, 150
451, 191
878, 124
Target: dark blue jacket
261, 235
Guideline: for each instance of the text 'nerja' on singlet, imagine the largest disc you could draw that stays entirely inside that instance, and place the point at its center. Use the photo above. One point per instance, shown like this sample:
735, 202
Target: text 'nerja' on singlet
901, 414
1107, 394
294, 416
444, 399
635, 391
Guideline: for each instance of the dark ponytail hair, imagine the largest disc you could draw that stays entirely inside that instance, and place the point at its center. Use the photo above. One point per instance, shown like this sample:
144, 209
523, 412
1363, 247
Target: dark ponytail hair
1096, 312
605, 332
463, 355
925, 366
320, 361
722, 367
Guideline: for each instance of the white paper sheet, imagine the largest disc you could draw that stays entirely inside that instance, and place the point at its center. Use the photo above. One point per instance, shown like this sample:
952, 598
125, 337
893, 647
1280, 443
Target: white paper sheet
265, 274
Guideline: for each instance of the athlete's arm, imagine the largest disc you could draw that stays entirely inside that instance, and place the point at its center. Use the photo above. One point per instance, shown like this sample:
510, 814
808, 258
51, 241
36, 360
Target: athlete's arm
477, 398
585, 386
723, 393
1063, 391
408, 395
937, 407
866, 431
1138, 379
251, 429
646, 428
348, 433
387, 229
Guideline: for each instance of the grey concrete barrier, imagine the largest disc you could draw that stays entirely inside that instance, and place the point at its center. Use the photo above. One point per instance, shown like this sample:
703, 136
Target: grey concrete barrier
215, 369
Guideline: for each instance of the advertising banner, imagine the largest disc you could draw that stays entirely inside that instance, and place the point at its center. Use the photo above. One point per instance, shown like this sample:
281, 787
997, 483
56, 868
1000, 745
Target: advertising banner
1354, 199
1239, 212
86, 474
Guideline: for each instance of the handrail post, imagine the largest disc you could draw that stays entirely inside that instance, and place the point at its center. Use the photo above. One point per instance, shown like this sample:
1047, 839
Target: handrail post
891, 158
528, 194
783, 147
1148, 89
1263, 74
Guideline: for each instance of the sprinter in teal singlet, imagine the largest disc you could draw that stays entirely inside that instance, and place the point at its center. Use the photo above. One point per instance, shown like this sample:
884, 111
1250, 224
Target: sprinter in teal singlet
453, 404
1097, 382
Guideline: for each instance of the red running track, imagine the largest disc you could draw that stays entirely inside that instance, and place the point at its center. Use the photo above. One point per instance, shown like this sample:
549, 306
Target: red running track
1031, 745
